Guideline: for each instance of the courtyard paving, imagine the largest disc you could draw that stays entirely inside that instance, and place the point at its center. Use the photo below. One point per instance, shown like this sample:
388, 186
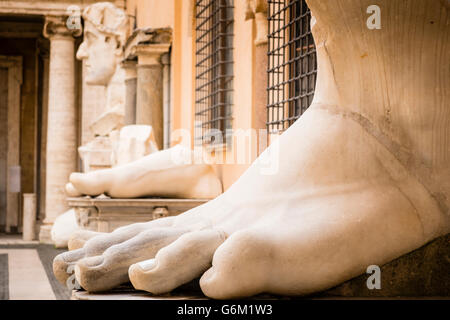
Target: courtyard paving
26, 271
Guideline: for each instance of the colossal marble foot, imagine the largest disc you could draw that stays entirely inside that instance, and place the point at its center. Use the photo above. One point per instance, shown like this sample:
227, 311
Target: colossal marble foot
318, 231
165, 174
71, 191
325, 241
362, 180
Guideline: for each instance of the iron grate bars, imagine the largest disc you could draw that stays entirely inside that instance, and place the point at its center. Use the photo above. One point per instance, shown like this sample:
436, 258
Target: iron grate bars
292, 65
213, 70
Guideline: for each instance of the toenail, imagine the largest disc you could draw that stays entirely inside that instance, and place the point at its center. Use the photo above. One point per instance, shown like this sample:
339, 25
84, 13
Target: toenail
147, 264
93, 261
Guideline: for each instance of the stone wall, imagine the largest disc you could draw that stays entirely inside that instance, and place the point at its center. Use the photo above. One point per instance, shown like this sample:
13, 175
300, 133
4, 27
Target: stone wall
27, 49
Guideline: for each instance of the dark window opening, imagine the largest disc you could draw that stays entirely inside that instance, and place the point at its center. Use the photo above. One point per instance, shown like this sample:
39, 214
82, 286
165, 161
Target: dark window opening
292, 65
213, 70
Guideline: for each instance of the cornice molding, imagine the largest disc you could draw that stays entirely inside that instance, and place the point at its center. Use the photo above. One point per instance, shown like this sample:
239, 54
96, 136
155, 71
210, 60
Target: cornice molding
147, 45
56, 26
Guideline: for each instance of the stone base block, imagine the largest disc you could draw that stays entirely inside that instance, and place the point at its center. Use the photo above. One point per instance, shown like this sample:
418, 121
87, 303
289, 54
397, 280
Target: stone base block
130, 295
45, 234
104, 214
422, 272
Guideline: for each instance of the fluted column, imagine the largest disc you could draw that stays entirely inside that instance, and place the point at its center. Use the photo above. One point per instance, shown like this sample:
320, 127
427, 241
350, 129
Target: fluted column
61, 146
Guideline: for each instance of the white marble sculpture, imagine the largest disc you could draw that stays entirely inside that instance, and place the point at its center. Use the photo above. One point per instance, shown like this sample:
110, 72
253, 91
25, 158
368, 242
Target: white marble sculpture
131, 143
157, 174
106, 28
152, 175
64, 226
105, 32
122, 146
96, 154
363, 177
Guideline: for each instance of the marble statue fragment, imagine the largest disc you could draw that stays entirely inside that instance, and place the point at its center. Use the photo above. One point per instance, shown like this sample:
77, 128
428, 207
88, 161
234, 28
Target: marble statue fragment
131, 143
63, 227
363, 177
105, 30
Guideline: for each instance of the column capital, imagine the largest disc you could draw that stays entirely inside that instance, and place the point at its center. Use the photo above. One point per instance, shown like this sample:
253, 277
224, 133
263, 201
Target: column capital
255, 6
150, 54
148, 45
130, 68
257, 10
56, 26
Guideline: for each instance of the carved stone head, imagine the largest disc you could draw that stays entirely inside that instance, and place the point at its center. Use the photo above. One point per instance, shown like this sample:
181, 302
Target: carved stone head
105, 32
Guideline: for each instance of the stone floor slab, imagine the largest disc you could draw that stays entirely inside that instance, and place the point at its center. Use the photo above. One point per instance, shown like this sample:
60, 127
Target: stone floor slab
27, 277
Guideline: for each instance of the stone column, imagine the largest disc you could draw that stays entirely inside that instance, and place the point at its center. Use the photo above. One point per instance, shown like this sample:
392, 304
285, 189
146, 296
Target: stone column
45, 55
165, 59
29, 216
130, 98
149, 96
61, 118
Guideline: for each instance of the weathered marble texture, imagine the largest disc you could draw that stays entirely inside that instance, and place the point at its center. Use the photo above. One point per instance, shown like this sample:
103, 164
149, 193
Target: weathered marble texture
64, 226
105, 32
368, 184
132, 143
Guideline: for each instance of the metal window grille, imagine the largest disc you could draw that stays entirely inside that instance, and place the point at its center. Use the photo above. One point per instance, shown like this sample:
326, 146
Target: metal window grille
292, 65
213, 70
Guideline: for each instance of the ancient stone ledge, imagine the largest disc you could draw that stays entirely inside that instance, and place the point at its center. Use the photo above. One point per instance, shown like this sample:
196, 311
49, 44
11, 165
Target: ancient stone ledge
106, 214
422, 272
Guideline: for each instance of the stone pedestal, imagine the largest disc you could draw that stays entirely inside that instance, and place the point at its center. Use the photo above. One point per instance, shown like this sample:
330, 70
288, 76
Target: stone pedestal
106, 215
61, 127
422, 272
45, 234
96, 154
29, 216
